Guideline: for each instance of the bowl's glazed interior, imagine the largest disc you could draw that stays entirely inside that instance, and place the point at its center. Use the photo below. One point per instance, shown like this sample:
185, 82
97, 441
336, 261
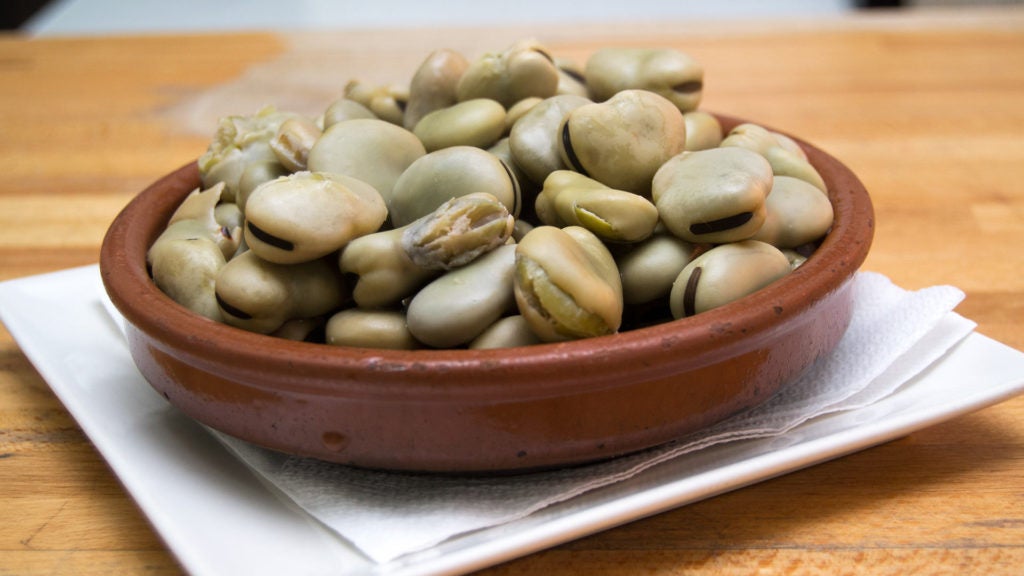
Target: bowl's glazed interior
489, 410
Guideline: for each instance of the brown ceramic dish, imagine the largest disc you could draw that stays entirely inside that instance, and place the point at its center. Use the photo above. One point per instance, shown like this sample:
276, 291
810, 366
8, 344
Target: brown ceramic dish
494, 410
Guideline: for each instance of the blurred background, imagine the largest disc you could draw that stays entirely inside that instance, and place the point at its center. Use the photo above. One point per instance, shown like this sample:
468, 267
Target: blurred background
86, 17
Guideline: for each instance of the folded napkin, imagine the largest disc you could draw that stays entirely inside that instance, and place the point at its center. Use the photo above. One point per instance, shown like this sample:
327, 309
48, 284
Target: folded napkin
894, 334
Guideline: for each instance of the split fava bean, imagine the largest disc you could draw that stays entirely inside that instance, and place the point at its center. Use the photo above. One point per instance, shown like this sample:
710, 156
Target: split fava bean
457, 232
239, 141
566, 284
571, 199
307, 215
393, 264
198, 214
292, 142
726, 273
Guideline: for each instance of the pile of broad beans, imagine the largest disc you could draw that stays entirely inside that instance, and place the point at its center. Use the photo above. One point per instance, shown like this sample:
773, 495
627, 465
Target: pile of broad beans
504, 201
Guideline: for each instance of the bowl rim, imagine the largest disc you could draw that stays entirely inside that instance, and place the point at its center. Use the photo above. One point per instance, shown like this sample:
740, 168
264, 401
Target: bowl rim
650, 352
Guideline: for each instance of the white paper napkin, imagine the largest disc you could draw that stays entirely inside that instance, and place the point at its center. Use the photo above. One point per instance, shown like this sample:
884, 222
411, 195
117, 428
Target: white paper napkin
894, 334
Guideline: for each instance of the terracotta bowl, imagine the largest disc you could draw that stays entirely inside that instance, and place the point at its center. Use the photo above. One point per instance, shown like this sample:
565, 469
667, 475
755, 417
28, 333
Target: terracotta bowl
494, 410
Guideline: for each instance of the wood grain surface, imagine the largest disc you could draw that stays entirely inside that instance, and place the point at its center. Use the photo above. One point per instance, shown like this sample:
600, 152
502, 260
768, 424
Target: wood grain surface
927, 109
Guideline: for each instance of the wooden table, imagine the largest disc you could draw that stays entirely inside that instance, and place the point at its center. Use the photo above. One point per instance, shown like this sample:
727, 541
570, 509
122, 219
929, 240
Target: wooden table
929, 110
